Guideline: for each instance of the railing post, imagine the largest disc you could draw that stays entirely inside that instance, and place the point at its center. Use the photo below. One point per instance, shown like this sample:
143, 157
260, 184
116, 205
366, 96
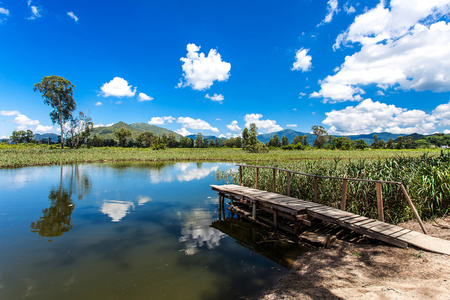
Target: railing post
256, 179
288, 191
315, 189
344, 194
240, 175
273, 180
380, 202
413, 208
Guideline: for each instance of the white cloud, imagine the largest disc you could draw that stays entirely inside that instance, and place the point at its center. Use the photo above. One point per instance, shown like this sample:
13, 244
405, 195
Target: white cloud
144, 97
442, 114
118, 87
369, 116
332, 9
349, 9
402, 46
101, 125
222, 136
4, 11
302, 61
446, 131
161, 120
72, 15
196, 124
300, 95
234, 126
34, 12
264, 126
115, 209
98, 103
25, 123
216, 97
200, 71
291, 125
183, 131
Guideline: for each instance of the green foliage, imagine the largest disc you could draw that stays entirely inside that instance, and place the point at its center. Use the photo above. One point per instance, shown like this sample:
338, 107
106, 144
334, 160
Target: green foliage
253, 145
426, 177
122, 135
298, 146
58, 93
321, 136
22, 136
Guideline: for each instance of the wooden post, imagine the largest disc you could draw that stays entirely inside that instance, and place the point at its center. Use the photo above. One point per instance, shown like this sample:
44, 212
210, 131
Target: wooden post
256, 179
240, 175
380, 202
413, 208
315, 189
275, 217
288, 192
273, 180
254, 210
344, 193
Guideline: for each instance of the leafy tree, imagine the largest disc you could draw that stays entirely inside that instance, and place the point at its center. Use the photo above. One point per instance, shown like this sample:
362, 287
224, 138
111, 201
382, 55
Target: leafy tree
245, 137
341, 143
321, 136
122, 135
400, 144
97, 141
172, 140
79, 130
305, 140
253, 145
58, 93
275, 141
284, 141
298, 140
199, 140
186, 142
390, 144
375, 144
205, 143
409, 143
145, 139
360, 144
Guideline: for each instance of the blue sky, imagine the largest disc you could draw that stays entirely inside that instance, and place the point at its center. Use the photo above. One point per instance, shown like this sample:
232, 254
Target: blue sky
216, 66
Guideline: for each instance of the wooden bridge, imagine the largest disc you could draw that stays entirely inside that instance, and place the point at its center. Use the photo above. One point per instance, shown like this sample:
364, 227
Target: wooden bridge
287, 213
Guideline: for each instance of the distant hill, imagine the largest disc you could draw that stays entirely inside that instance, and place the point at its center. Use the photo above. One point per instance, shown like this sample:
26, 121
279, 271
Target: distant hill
107, 132
53, 137
208, 137
368, 138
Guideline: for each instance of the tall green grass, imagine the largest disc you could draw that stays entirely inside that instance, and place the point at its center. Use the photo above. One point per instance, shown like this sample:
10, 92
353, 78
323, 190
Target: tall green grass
426, 178
32, 155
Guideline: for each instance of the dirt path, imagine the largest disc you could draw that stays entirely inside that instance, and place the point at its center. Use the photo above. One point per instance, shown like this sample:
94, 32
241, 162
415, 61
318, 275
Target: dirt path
370, 270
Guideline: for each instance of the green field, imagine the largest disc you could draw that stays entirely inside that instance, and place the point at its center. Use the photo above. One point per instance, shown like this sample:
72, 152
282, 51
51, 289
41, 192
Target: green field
12, 156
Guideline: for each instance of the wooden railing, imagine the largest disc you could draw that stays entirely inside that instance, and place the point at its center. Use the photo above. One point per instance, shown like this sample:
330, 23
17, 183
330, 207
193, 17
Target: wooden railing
345, 180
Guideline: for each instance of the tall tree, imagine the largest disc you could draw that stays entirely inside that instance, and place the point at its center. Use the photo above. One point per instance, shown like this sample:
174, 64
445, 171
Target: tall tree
245, 136
122, 135
58, 93
321, 136
199, 140
285, 140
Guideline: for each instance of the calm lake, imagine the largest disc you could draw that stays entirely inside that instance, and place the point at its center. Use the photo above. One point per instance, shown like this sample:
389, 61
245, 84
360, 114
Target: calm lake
128, 231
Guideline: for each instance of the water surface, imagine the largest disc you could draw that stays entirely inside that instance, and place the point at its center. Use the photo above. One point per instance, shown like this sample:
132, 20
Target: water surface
128, 230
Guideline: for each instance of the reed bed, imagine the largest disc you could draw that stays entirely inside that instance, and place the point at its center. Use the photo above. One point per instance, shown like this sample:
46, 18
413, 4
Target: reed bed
426, 178
32, 155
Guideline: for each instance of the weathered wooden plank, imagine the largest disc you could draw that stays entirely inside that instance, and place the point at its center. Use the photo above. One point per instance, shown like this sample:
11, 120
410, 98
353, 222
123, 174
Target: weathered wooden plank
409, 236
400, 233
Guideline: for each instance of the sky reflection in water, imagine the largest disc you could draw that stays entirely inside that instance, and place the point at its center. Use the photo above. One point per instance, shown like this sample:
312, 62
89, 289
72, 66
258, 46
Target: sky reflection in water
109, 231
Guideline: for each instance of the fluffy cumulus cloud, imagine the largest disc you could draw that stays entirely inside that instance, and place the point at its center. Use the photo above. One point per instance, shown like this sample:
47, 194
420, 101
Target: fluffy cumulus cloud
143, 97
234, 126
197, 124
72, 15
216, 97
446, 131
369, 116
332, 9
349, 9
161, 120
98, 103
25, 123
442, 114
102, 125
264, 126
183, 131
200, 71
302, 61
403, 46
118, 87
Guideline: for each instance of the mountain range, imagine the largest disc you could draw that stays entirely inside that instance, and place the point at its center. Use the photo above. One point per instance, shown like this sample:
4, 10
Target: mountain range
107, 132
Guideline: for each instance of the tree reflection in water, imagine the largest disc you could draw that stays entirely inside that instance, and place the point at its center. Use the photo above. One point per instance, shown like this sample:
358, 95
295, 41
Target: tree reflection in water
57, 219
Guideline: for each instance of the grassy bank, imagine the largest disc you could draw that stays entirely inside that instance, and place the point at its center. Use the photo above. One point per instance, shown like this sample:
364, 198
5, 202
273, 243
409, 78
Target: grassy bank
12, 156
426, 177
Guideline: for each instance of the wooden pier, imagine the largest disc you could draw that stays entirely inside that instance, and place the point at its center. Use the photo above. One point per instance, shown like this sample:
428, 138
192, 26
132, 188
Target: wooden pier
283, 212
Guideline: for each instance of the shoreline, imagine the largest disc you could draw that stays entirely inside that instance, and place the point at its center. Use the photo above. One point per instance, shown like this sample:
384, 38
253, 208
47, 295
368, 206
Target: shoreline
369, 270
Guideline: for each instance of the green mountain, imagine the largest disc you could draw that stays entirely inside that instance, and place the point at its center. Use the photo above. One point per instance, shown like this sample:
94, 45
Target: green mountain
135, 128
